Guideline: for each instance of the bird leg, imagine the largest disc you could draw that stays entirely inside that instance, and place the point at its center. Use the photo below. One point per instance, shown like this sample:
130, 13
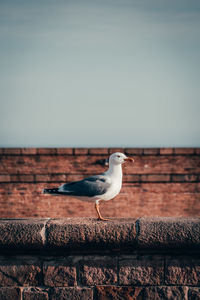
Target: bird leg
98, 212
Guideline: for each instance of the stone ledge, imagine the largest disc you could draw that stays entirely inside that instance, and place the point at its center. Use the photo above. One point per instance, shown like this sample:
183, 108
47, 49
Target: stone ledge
87, 235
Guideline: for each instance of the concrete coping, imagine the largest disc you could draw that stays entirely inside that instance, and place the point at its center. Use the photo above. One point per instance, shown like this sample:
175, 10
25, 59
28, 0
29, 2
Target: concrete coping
88, 235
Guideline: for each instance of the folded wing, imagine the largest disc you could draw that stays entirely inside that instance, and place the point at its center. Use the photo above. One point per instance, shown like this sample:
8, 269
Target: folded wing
89, 187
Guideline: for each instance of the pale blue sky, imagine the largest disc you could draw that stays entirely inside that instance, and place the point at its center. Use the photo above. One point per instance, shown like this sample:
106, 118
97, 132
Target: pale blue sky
100, 73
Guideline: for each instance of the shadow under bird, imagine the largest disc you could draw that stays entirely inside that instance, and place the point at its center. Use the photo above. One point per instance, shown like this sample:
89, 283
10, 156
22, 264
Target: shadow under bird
96, 188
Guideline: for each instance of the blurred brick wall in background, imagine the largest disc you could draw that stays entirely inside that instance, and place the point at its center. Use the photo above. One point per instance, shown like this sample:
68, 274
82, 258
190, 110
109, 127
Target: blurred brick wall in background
161, 182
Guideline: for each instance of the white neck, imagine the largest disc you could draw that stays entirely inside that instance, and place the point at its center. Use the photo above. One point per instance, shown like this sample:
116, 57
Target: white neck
114, 170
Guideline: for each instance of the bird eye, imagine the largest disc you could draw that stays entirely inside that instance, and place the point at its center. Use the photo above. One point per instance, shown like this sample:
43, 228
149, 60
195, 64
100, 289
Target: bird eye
118, 155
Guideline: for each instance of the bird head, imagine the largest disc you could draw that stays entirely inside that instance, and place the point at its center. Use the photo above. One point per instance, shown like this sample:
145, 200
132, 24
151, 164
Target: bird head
119, 158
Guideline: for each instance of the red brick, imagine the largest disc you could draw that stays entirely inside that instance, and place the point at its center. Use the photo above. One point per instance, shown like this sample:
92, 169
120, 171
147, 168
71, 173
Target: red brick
81, 151
113, 150
178, 178
191, 178
164, 293
141, 271
135, 200
118, 292
65, 151
151, 151
184, 151
35, 293
58, 177
51, 178
17, 273
177, 198
50, 151
197, 151
98, 271
131, 178
74, 177
98, 151
166, 151
194, 293
155, 178
143, 293
4, 178
22, 178
70, 293
185, 178
12, 151
183, 271
10, 293
134, 151
82, 164
59, 274
1, 151
43, 178
28, 151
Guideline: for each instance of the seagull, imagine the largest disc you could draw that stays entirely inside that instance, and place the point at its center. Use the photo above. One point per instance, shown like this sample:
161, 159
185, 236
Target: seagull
96, 188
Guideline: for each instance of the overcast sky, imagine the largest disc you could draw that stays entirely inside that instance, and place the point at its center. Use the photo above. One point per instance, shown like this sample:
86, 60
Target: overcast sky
100, 73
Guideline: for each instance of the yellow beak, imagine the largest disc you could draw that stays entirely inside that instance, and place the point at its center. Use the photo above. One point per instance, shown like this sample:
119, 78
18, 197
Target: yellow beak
129, 159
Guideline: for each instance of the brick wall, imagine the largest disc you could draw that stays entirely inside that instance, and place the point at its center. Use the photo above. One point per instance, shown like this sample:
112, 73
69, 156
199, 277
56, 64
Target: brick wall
161, 182
144, 259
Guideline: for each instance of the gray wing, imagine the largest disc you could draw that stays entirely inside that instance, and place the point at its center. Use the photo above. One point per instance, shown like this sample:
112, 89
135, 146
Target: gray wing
88, 187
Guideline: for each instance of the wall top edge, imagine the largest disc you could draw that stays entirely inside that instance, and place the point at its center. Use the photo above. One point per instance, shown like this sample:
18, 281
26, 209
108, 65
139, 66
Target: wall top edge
88, 235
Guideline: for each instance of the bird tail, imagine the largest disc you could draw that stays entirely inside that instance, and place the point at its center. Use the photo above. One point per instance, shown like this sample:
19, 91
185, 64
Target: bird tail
51, 191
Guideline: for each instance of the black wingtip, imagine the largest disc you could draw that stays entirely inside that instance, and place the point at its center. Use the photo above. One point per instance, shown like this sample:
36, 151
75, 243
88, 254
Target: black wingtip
50, 191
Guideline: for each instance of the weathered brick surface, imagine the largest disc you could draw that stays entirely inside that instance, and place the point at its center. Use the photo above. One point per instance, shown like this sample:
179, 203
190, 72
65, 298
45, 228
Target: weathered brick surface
10, 293
86, 235
59, 273
141, 293
89, 233
183, 271
22, 233
194, 293
165, 293
169, 232
101, 271
106, 272
119, 293
35, 293
17, 273
141, 271
72, 293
